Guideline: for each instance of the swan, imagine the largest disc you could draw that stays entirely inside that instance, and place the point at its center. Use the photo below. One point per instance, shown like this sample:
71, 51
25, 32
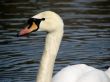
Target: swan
53, 24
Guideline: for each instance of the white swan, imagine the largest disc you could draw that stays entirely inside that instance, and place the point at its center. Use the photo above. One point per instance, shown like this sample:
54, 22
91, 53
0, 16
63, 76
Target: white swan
53, 24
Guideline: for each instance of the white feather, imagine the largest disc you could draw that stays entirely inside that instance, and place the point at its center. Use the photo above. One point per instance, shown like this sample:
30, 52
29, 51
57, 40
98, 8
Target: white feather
80, 73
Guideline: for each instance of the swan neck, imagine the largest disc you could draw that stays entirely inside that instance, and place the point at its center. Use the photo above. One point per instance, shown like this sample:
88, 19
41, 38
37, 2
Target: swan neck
52, 44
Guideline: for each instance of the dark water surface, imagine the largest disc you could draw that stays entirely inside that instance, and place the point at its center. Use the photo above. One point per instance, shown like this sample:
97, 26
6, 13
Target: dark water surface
86, 39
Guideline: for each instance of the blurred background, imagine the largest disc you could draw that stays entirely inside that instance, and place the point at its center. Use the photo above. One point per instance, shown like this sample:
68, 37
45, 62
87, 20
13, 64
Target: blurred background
86, 38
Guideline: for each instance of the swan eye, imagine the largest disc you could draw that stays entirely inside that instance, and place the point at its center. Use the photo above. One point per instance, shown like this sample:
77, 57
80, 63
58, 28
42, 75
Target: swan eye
43, 19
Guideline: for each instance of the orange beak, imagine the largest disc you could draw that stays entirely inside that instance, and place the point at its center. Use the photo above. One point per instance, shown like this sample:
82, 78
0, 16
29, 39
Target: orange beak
27, 30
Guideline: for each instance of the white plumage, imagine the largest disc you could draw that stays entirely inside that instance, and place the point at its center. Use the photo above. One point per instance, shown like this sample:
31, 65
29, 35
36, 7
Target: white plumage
80, 73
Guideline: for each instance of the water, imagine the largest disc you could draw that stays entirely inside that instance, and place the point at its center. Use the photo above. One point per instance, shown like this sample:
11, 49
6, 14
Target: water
86, 39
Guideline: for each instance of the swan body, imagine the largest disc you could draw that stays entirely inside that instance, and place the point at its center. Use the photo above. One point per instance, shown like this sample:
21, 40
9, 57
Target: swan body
80, 73
108, 72
53, 25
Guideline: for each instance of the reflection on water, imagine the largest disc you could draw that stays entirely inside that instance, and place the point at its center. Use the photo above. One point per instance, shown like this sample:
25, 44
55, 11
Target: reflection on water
86, 39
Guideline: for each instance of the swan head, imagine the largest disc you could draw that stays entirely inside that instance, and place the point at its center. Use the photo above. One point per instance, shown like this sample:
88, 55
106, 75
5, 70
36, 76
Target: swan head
45, 21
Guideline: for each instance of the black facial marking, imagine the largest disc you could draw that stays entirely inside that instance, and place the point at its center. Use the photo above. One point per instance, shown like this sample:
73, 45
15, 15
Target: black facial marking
36, 21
